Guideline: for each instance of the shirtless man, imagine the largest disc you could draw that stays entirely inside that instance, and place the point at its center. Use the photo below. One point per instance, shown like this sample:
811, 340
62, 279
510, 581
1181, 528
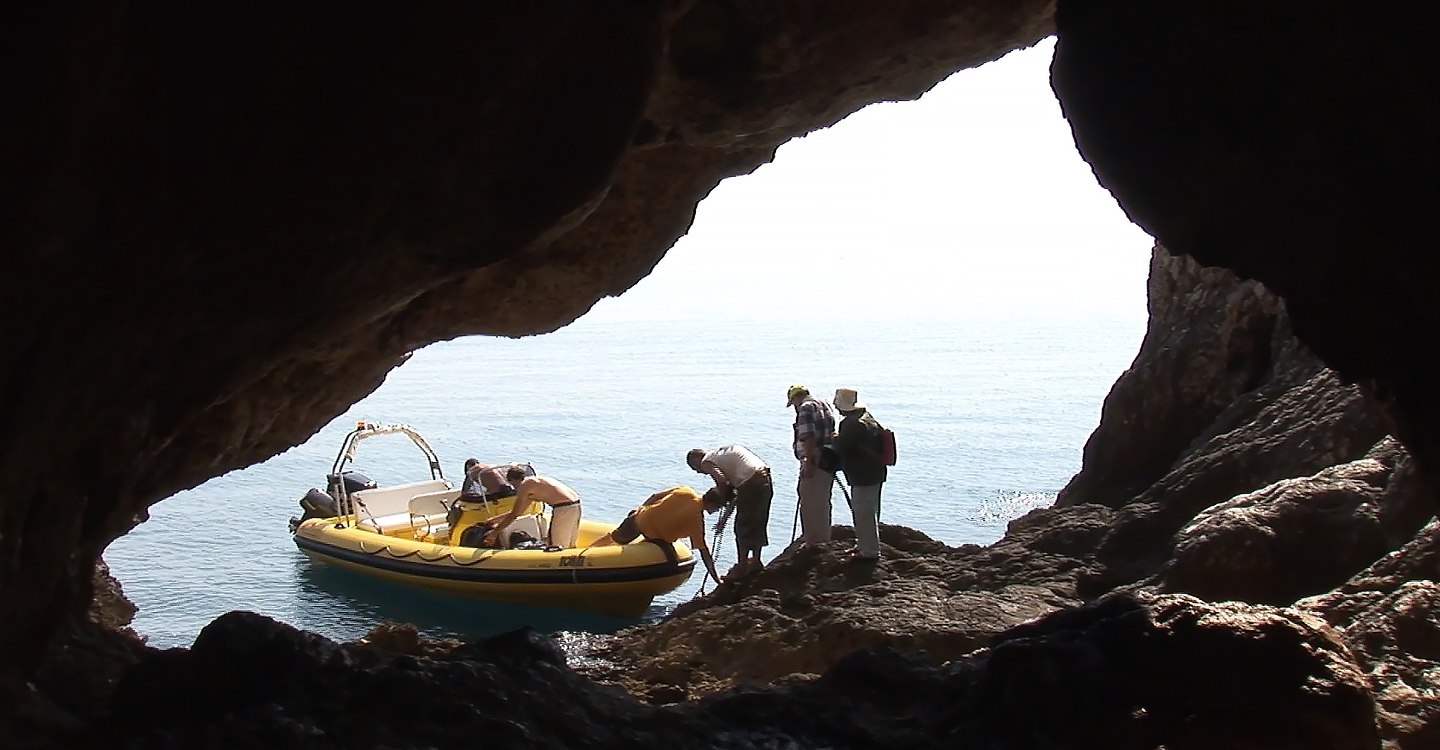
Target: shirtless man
564, 506
485, 481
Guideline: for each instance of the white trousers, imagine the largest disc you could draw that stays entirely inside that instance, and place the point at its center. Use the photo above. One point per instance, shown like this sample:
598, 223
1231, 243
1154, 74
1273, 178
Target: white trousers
814, 497
864, 507
564, 525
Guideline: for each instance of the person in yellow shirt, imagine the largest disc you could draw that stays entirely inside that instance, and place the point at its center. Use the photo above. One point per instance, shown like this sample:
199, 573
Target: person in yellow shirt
668, 515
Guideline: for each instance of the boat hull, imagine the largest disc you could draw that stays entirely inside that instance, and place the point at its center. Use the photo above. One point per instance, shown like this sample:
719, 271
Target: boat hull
619, 580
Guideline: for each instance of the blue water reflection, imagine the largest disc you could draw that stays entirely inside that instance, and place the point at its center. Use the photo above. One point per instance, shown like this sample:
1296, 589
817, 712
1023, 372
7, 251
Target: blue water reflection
350, 603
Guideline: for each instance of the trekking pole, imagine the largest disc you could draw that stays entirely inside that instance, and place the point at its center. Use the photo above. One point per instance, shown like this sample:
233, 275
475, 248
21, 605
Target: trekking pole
796, 523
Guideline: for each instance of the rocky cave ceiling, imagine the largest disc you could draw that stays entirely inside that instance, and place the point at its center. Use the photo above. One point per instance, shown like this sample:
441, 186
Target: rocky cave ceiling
226, 225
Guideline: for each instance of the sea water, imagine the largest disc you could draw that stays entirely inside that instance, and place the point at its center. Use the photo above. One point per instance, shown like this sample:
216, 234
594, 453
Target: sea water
991, 412
991, 415
951, 258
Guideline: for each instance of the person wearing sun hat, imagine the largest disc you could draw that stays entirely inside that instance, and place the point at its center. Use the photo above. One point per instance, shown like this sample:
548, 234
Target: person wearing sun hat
814, 429
858, 443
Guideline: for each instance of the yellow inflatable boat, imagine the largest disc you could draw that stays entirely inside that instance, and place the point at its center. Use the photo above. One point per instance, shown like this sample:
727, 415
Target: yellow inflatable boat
411, 533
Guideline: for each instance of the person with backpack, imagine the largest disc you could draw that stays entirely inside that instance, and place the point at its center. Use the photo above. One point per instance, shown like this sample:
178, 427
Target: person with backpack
859, 443
814, 431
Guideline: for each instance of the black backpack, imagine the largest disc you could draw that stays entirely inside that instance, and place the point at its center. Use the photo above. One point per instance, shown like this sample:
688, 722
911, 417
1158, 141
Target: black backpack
475, 537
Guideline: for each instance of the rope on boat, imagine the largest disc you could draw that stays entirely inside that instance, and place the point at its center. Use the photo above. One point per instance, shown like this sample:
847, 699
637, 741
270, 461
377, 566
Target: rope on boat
416, 553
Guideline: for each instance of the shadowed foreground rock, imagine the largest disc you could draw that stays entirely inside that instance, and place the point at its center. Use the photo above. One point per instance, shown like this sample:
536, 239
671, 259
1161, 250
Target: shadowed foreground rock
1122, 673
399, 174
811, 606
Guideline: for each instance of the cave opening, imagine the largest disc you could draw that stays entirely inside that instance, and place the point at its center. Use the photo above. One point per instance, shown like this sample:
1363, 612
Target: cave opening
951, 257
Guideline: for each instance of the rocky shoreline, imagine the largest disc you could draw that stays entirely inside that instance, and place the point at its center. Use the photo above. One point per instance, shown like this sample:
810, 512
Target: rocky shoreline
1271, 583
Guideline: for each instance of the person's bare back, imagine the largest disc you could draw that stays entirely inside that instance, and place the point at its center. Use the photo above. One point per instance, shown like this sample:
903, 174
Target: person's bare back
545, 489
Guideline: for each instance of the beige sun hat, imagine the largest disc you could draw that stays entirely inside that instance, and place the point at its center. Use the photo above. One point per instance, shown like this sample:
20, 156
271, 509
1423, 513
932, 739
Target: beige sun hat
846, 399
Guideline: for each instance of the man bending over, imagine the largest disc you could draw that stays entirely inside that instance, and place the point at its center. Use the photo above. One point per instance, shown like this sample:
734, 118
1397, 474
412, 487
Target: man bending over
564, 506
667, 516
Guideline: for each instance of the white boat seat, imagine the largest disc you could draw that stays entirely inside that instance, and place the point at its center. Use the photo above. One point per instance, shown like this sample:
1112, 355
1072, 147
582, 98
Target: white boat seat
385, 501
399, 522
431, 503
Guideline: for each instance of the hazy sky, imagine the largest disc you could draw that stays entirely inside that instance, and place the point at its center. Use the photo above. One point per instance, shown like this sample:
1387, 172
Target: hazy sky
971, 198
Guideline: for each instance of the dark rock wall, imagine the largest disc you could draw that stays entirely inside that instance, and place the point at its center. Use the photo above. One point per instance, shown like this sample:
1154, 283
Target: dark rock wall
1126, 673
1286, 145
226, 224
1210, 340
1221, 400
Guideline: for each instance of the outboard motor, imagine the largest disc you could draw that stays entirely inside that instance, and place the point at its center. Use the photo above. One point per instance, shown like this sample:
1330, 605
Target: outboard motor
354, 482
318, 504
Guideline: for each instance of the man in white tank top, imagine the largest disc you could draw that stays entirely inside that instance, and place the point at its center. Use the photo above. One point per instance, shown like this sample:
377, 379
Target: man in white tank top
743, 478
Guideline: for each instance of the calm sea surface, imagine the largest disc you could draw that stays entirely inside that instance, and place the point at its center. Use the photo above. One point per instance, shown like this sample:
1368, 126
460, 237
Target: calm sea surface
991, 413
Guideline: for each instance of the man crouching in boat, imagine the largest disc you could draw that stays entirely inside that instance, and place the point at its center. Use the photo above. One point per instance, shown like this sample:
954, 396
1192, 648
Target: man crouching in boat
563, 501
483, 481
668, 515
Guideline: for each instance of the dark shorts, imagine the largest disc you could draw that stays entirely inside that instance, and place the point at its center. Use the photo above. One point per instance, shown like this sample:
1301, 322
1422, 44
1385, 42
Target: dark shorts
627, 531
752, 512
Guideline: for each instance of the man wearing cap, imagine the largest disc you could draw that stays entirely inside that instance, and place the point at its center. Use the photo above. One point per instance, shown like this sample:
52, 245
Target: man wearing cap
740, 474
814, 429
858, 443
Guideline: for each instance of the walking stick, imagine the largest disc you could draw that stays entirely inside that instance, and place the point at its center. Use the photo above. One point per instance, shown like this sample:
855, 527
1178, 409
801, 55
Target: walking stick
796, 523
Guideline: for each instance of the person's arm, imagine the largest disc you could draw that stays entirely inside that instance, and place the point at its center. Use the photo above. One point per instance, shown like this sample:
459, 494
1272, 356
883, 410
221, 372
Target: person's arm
810, 436
709, 561
522, 500
809, 454
844, 439
715, 473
